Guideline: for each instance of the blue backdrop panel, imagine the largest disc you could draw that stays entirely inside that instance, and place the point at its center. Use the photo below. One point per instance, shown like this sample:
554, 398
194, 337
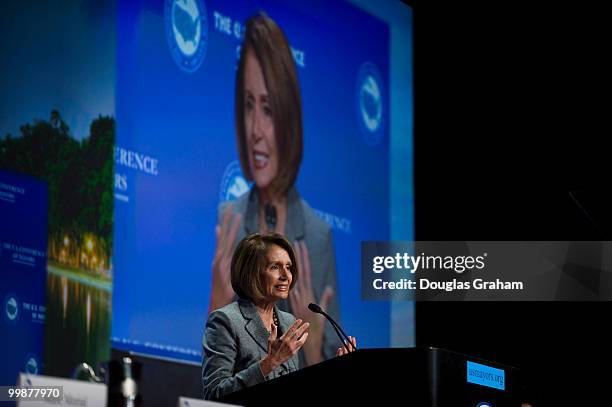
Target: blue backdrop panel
176, 157
23, 274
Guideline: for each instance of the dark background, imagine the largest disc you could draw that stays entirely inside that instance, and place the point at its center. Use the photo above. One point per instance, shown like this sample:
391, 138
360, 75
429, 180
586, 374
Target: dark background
510, 122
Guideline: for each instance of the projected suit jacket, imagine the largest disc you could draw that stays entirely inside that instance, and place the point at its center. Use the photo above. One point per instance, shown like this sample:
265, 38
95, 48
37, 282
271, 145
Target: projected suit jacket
235, 341
302, 224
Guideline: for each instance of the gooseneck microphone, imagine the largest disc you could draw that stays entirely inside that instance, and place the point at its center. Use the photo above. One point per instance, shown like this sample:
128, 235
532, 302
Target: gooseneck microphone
317, 310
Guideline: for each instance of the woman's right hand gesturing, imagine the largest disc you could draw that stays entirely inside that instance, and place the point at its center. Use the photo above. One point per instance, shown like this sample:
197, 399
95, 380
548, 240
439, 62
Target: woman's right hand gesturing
221, 292
282, 349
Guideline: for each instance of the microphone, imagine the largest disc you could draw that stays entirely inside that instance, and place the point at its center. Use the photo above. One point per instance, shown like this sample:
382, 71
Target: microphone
317, 310
270, 212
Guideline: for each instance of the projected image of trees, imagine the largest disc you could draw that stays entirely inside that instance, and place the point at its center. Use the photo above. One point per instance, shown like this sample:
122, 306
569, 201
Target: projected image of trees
80, 181
79, 175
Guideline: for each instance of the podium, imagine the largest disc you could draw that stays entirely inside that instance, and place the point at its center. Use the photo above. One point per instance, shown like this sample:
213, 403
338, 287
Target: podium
409, 377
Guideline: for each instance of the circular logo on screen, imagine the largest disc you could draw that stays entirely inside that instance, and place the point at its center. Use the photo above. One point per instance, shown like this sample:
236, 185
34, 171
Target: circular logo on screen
11, 308
370, 106
484, 404
233, 183
187, 32
31, 365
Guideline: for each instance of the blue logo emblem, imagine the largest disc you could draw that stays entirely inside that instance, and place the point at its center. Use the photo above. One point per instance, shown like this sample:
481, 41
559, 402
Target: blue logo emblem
233, 183
187, 32
484, 404
370, 106
31, 366
11, 308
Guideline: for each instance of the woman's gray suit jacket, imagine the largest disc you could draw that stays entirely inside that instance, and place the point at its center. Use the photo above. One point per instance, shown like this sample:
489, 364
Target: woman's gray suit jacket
235, 341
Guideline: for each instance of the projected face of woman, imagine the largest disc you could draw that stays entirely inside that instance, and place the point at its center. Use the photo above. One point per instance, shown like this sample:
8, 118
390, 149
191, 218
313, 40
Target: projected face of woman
259, 125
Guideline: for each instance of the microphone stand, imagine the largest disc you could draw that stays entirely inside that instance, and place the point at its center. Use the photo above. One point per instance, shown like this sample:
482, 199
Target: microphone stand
317, 309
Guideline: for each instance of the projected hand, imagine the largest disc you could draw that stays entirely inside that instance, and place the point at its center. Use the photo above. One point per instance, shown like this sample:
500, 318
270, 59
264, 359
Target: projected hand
342, 350
221, 287
282, 349
301, 295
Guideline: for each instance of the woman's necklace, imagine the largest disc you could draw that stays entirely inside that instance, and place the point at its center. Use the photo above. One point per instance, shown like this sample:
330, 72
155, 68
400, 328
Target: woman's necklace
274, 320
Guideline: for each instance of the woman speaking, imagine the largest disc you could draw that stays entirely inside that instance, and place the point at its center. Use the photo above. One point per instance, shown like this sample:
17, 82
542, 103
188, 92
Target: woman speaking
250, 340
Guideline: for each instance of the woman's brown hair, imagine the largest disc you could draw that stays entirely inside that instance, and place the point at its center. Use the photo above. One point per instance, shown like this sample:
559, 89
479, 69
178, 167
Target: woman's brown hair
249, 261
267, 41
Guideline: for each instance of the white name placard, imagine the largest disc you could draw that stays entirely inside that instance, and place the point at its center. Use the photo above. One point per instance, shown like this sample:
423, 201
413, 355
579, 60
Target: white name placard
75, 392
189, 402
